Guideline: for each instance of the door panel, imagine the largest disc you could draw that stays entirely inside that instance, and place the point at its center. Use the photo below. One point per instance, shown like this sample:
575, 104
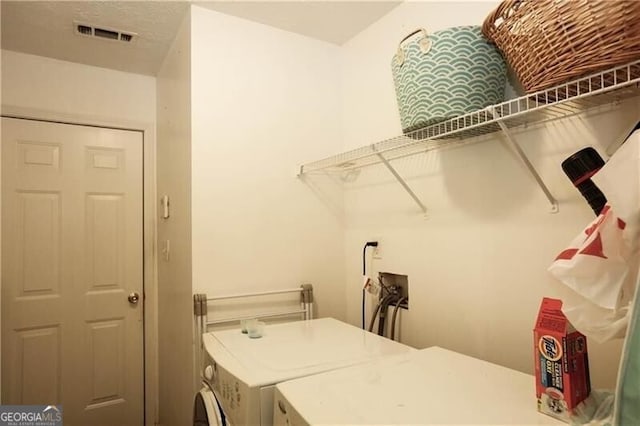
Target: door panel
39, 378
38, 242
105, 240
106, 355
72, 253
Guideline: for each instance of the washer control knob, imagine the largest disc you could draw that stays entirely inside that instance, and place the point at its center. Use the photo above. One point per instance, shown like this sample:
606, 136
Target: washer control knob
208, 372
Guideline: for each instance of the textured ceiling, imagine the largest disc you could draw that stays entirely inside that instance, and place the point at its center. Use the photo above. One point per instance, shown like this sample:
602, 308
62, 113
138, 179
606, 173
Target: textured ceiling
46, 28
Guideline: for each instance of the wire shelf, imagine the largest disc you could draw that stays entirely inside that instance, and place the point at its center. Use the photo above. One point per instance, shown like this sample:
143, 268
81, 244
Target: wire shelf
606, 87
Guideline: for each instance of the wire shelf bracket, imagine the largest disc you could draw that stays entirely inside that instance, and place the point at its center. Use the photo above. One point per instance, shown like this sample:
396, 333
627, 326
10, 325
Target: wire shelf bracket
608, 87
403, 183
525, 160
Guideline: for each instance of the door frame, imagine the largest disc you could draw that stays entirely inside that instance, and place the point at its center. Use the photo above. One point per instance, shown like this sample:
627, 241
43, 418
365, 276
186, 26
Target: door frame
150, 282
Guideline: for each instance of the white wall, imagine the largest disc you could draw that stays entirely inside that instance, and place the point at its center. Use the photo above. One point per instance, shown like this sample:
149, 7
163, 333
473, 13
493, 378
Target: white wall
175, 308
477, 266
263, 101
67, 88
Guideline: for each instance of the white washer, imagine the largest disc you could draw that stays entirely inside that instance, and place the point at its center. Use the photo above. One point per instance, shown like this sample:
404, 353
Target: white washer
206, 410
242, 371
428, 387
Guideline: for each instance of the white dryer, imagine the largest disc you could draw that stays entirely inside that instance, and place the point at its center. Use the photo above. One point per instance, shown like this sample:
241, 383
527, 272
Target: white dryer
242, 371
427, 387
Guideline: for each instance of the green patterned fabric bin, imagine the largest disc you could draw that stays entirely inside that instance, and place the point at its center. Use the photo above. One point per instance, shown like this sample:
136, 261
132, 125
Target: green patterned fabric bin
446, 74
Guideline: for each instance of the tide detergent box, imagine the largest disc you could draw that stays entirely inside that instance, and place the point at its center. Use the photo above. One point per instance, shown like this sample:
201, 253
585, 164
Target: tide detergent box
561, 362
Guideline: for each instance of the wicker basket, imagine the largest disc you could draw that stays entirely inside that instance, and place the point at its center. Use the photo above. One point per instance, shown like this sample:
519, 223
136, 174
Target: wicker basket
548, 42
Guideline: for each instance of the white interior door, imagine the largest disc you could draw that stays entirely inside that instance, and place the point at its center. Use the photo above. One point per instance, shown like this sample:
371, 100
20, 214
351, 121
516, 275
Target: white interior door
71, 254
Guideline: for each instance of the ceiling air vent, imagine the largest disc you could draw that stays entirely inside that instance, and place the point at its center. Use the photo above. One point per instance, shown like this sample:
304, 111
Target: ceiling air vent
84, 30
102, 32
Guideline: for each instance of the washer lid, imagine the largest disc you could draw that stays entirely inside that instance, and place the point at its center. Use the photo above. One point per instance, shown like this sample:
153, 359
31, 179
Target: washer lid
296, 349
205, 409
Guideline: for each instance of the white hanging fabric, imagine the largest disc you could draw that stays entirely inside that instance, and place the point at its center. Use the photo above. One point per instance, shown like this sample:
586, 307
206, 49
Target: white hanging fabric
601, 266
601, 263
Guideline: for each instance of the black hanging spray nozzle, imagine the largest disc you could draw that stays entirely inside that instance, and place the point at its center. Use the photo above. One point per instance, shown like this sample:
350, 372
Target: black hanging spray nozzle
579, 168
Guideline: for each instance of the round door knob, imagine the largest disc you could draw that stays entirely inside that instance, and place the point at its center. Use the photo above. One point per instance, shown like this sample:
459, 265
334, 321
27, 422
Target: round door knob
133, 298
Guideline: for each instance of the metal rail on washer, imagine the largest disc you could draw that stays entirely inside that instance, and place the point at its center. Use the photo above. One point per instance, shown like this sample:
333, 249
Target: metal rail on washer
200, 310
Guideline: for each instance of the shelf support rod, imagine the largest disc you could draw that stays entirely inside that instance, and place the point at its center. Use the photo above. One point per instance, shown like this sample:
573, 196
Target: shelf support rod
525, 160
402, 182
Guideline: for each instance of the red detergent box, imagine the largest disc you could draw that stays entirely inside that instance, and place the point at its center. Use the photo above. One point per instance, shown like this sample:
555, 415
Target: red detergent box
561, 362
